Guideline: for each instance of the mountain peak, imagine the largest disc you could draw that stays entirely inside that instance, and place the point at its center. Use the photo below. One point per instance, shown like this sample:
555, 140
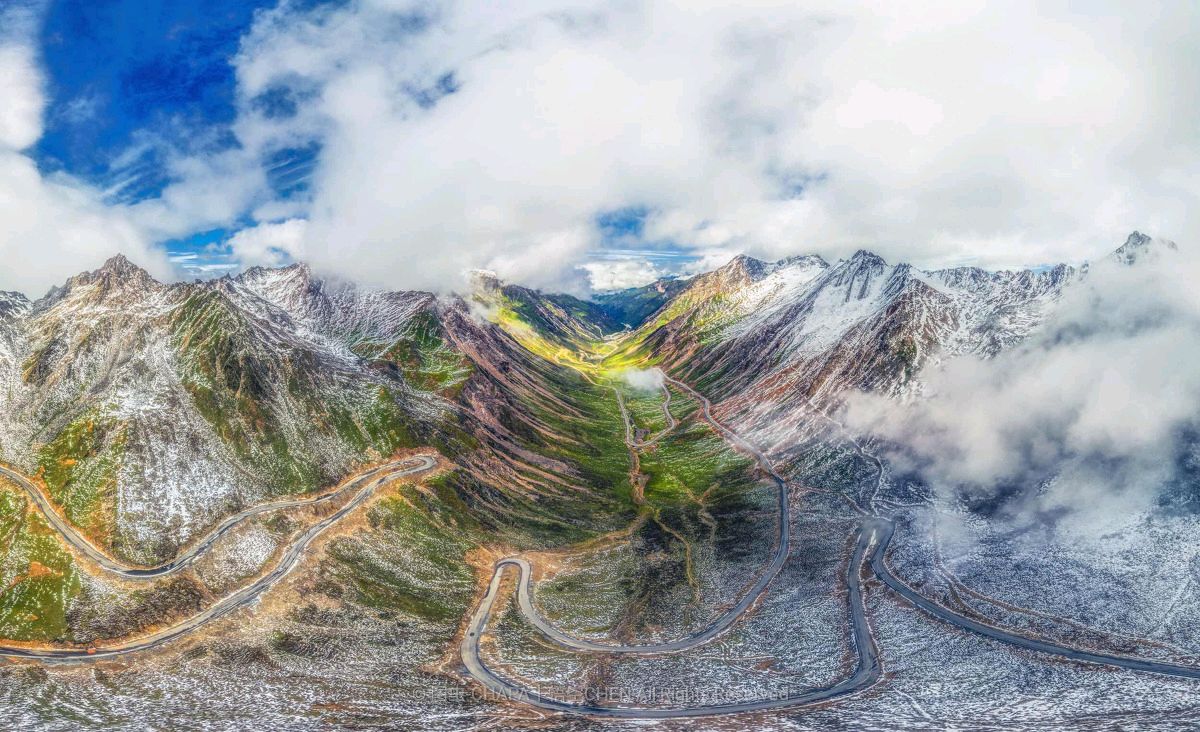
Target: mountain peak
805, 260
119, 267
743, 266
117, 274
119, 264
12, 302
864, 257
484, 282
1138, 245
297, 270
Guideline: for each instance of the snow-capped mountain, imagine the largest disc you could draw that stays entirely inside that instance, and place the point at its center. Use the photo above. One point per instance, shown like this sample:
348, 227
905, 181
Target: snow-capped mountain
773, 339
802, 325
151, 410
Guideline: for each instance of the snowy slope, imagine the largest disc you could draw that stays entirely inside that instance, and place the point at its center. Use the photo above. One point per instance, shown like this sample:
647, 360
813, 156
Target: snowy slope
155, 409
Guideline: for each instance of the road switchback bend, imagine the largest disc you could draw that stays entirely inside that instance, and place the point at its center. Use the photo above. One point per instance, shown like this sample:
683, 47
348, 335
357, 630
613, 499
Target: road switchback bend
871, 540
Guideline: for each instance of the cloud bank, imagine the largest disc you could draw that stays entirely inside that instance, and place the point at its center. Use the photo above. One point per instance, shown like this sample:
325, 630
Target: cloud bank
620, 274
444, 136
470, 134
1087, 420
269, 245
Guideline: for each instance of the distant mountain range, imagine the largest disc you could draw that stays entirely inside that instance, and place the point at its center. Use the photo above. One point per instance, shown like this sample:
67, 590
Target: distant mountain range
151, 410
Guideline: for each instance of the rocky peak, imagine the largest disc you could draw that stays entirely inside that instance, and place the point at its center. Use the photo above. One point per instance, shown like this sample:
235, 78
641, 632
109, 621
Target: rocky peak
963, 278
12, 303
857, 274
120, 265
117, 276
297, 271
864, 258
803, 260
1138, 245
485, 281
116, 269
282, 284
738, 272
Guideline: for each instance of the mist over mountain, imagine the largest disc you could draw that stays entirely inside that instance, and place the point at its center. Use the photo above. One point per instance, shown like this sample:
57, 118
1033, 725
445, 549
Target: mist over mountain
1087, 422
633, 442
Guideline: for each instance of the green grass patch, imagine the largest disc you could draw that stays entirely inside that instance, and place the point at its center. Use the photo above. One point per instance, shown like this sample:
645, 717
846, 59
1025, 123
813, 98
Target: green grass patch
411, 561
425, 359
686, 464
80, 467
38, 578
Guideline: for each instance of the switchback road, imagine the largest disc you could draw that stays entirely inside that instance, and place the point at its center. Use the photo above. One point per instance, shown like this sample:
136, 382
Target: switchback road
871, 540
72, 537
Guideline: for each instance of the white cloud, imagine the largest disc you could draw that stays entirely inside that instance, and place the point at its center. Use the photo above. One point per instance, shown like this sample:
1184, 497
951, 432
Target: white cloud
620, 274
269, 245
475, 134
1001, 134
207, 191
1098, 402
643, 379
21, 90
51, 227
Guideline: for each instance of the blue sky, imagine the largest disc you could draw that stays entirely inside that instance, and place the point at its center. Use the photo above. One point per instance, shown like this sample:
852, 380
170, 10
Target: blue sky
130, 81
116, 67
575, 144
118, 70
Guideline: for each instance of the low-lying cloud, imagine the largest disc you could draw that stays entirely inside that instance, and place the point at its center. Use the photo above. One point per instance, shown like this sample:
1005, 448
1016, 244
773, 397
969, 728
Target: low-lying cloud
643, 379
1086, 420
620, 274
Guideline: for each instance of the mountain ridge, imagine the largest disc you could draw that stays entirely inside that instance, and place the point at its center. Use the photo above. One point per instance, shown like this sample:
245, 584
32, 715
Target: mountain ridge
237, 360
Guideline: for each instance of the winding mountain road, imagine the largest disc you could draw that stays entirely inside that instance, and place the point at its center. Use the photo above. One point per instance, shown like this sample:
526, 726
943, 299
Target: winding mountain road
885, 528
871, 541
872, 538
722, 623
181, 561
867, 670
365, 485
641, 443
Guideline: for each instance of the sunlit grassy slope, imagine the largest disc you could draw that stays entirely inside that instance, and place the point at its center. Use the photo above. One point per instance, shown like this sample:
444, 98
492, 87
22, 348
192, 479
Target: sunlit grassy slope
38, 578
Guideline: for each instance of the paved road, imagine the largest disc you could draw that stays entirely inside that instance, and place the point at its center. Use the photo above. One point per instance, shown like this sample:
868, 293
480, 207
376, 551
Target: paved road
721, 623
244, 596
885, 528
872, 539
630, 438
77, 540
867, 670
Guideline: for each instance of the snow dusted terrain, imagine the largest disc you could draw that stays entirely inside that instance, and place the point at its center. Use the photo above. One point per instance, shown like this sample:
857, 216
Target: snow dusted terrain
153, 410
207, 393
